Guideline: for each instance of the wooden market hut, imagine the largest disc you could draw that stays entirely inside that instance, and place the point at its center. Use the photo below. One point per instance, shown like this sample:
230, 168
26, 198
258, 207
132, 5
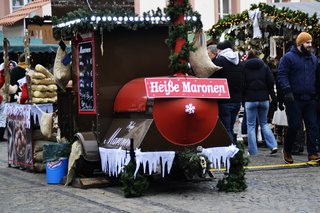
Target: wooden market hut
123, 48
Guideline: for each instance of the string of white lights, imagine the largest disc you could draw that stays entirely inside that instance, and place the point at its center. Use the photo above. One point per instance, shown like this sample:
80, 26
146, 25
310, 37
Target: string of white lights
121, 20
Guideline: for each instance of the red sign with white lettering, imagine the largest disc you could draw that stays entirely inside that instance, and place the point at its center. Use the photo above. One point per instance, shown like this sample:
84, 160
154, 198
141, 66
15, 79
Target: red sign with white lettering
178, 87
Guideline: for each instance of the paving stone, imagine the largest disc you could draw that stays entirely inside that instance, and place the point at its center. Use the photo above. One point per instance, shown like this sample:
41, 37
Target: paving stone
269, 190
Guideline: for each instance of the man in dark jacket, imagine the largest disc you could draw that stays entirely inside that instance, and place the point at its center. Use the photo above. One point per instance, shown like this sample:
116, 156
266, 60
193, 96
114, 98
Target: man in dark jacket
231, 70
297, 76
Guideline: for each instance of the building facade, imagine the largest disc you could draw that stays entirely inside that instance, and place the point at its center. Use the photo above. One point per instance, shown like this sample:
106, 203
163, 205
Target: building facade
14, 12
211, 10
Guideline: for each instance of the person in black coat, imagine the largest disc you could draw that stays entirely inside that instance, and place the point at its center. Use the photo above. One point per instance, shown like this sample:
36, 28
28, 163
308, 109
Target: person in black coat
231, 70
258, 87
16, 74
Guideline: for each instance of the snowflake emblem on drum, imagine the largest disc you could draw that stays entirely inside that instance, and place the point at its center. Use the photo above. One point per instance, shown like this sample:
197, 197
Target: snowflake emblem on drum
190, 109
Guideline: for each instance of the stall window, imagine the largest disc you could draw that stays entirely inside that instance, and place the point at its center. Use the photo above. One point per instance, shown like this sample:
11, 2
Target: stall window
16, 4
224, 7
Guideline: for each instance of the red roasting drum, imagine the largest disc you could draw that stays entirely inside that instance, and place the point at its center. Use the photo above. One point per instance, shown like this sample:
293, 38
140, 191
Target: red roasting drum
181, 121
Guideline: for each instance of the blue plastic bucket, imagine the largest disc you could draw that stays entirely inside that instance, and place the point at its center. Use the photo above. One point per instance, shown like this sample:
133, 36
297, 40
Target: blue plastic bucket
56, 170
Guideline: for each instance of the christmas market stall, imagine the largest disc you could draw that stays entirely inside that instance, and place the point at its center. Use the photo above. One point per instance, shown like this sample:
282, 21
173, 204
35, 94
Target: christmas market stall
266, 28
30, 114
132, 113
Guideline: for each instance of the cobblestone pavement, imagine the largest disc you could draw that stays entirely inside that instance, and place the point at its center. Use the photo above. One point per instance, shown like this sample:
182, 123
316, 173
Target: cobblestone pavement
272, 190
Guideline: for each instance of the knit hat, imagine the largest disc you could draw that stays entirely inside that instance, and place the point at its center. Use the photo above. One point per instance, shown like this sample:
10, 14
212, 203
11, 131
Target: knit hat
224, 45
302, 38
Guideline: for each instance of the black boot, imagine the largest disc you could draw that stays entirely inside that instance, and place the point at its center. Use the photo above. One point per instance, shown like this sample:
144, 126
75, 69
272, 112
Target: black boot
2, 134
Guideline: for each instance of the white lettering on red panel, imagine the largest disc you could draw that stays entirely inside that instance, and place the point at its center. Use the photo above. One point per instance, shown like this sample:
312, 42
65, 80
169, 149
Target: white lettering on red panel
186, 87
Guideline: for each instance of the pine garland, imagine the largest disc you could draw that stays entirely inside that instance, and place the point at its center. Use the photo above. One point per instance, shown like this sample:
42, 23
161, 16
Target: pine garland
297, 20
86, 25
188, 162
235, 180
178, 61
133, 187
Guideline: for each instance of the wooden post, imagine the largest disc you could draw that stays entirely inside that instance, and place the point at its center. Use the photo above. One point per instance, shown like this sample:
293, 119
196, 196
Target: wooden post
26, 42
6, 66
27, 54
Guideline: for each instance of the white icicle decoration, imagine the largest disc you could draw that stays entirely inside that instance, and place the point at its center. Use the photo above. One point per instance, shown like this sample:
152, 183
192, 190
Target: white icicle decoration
113, 160
153, 159
220, 155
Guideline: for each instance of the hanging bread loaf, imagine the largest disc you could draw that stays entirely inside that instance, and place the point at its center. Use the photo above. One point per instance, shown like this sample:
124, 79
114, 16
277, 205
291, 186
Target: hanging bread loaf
60, 71
43, 94
44, 100
46, 124
43, 88
45, 81
43, 70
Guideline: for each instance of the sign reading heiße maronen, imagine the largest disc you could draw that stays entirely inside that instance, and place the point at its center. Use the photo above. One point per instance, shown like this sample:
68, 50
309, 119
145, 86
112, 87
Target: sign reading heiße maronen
177, 87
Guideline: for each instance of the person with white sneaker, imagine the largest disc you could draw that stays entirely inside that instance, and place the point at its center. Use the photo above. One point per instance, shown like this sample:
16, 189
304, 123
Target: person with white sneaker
258, 86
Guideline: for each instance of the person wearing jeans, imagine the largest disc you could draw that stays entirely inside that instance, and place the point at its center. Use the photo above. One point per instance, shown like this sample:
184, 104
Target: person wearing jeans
228, 115
258, 86
260, 109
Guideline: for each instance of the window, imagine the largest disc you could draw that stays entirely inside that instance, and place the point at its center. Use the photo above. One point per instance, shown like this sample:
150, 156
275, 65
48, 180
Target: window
224, 7
16, 4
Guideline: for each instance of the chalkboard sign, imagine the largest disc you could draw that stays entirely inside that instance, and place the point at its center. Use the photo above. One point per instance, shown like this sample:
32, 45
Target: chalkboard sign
86, 77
